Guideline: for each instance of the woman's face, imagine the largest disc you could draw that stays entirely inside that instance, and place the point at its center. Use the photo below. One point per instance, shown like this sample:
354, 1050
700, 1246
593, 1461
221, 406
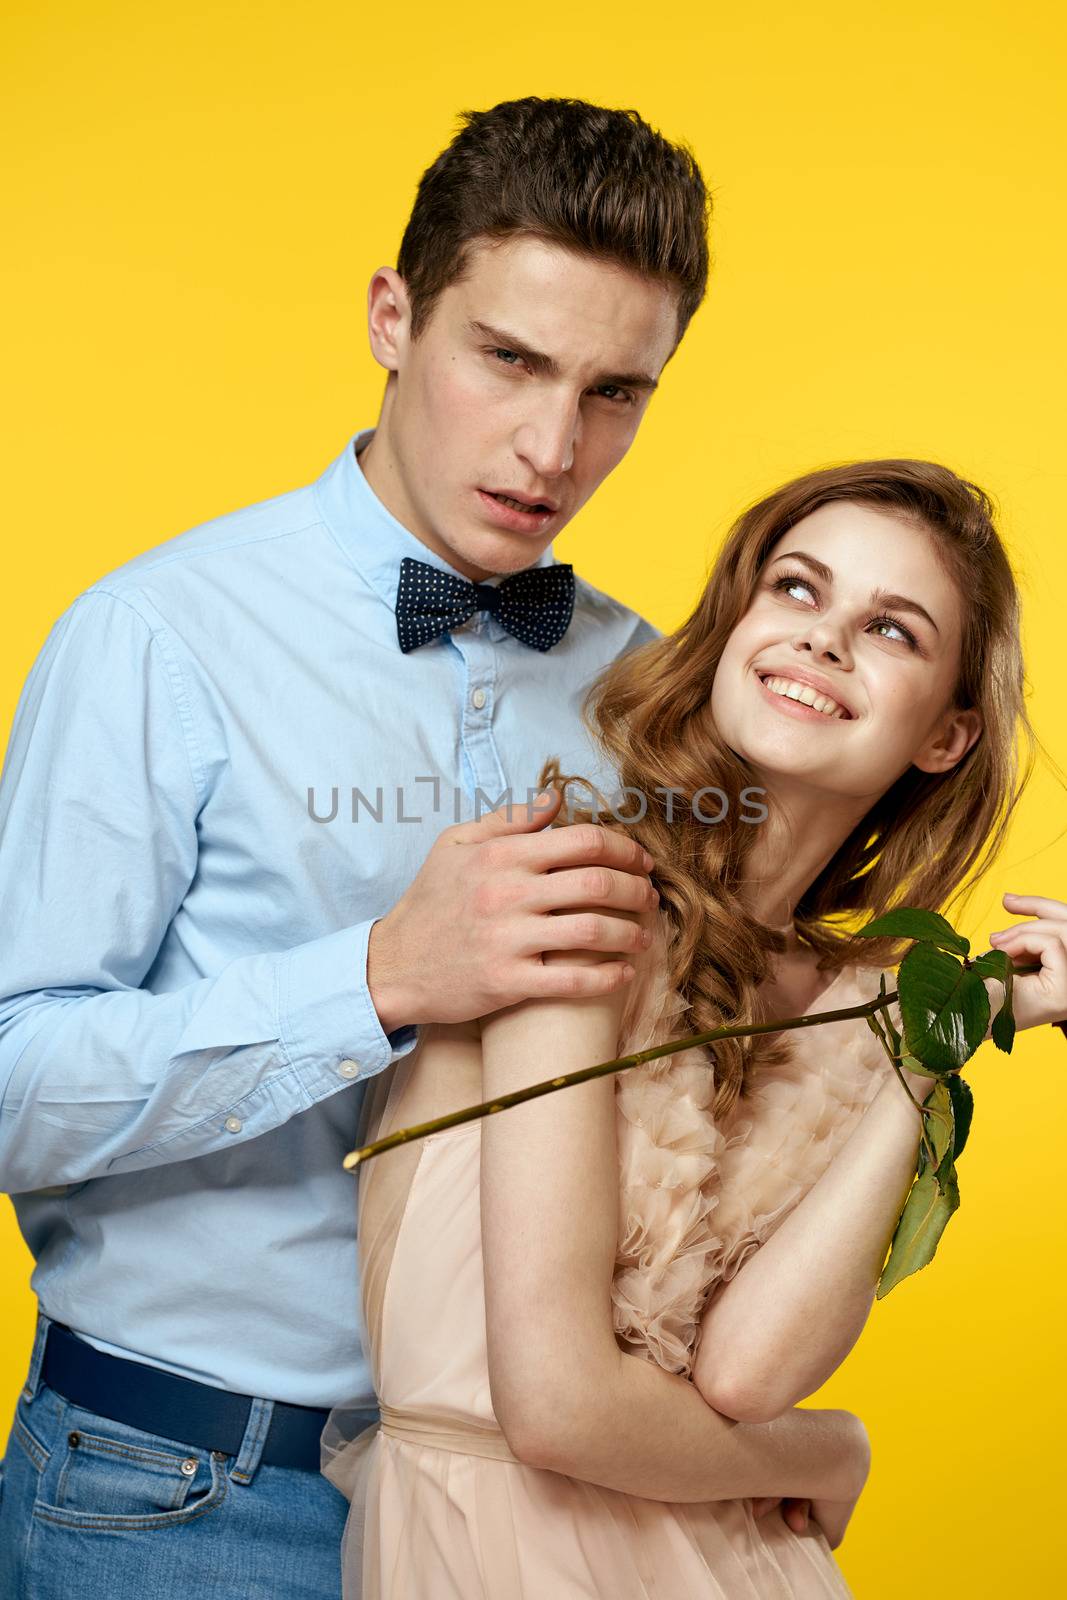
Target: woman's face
852, 605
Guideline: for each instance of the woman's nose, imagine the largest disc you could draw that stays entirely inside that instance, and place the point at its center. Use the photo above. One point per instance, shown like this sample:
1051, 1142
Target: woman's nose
823, 638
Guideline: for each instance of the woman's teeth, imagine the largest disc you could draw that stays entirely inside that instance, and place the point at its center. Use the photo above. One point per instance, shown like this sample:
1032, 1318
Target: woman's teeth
806, 695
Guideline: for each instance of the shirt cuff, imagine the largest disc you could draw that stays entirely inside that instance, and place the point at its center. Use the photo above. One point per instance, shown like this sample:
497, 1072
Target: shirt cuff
326, 1015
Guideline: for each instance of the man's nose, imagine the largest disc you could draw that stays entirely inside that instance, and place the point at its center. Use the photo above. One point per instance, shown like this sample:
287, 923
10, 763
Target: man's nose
548, 436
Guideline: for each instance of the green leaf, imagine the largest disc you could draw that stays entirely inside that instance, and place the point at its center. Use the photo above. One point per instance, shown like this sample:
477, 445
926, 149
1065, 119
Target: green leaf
913, 1064
1003, 1030
992, 964
962, 1111
944, 1006
922, 1222
946, 1173
911, 922
939, 1122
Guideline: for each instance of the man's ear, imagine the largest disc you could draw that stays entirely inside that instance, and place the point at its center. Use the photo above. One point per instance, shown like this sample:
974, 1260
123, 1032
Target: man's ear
949, 742
388, 318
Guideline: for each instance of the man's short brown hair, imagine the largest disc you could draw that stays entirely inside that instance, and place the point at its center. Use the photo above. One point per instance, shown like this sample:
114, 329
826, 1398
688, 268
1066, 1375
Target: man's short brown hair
594, 180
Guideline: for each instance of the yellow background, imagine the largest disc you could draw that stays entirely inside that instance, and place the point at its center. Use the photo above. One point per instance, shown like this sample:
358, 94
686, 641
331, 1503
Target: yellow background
199, 194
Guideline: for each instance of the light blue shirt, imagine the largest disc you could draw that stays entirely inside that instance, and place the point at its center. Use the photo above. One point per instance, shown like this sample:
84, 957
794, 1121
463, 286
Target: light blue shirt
185, 1024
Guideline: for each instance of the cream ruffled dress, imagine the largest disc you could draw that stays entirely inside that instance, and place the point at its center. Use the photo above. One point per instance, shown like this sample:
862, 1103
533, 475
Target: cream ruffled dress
440, 1509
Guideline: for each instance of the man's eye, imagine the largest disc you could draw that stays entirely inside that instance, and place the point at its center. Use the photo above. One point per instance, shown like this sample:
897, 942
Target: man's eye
507, 356
611, 391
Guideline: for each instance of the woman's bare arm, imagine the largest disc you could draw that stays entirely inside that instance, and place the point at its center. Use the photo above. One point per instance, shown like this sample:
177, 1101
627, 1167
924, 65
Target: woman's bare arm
566, 1396
789, 1318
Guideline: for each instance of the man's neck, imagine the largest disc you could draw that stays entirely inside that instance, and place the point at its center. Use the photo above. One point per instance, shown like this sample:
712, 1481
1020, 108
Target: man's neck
380, 468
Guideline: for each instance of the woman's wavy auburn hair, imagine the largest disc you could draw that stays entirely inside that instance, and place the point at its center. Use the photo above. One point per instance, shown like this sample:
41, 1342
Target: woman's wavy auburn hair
925, 842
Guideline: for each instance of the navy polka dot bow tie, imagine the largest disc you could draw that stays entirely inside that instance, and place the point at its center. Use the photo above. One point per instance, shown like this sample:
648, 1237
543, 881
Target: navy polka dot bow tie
535, 606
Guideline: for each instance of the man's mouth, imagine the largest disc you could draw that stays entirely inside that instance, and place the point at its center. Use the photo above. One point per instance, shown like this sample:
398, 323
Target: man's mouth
791, 689
537, 506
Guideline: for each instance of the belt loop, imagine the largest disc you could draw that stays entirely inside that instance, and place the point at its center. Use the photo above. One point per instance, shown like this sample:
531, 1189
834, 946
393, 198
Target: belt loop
33, 1381
255, 1437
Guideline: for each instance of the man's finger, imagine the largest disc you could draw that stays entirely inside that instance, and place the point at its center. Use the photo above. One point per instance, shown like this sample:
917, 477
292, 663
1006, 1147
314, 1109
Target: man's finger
559, 982
586, 842
515, 816
594, 885
590, 932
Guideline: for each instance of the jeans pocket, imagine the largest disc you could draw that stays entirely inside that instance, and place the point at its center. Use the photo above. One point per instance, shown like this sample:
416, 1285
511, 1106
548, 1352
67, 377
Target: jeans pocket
103, 1474
24, 1433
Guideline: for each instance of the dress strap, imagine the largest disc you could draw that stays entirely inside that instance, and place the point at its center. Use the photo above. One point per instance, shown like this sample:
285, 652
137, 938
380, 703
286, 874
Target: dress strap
465, 1436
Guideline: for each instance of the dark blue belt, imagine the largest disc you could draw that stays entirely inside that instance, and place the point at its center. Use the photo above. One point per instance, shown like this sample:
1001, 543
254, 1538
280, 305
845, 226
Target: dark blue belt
176, 1408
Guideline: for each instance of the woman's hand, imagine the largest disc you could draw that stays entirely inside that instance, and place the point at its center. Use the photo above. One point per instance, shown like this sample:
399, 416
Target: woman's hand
795, 1511
832, 1516
1037, 996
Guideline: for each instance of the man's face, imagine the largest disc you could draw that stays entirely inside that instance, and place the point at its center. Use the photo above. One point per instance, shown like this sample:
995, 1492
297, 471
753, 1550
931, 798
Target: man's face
527, 383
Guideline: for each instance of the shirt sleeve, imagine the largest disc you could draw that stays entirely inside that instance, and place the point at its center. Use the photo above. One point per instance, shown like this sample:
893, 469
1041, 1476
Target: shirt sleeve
98, 847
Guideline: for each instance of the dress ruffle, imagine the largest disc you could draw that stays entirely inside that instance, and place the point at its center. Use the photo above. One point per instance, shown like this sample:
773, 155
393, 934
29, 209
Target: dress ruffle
696, 1199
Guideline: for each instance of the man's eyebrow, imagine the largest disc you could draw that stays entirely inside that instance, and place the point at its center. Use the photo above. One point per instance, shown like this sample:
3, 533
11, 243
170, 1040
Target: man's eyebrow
536, 360
548, 366
878, 596
631, 380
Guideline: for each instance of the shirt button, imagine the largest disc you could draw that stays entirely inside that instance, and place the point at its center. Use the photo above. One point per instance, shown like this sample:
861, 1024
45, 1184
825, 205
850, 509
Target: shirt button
348, 1069
233, 1124
478, 699
188, 1468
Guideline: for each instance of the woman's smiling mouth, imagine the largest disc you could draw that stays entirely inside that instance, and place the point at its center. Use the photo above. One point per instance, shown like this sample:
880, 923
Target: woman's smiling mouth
790, 692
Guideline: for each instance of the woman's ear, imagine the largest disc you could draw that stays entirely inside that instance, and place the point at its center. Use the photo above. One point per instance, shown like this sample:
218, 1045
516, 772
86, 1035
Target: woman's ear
949, 742
388, 318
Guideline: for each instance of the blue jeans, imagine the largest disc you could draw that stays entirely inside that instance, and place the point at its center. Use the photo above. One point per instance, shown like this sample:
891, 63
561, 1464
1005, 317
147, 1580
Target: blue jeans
90, 1507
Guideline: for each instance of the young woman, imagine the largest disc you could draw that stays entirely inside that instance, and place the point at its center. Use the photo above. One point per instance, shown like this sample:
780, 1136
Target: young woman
582, 1392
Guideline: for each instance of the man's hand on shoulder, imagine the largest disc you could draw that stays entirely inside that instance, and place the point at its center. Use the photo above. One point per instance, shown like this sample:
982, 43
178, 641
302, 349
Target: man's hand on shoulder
495, 895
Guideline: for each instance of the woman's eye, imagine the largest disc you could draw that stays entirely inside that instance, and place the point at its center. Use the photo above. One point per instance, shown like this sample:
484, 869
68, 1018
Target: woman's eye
905, 637
792, 582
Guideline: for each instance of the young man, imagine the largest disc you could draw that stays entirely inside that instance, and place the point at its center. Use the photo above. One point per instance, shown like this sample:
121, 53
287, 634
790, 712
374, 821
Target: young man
243, 858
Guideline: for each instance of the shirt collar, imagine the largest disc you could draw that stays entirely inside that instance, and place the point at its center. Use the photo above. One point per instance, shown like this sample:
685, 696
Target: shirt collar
376, 542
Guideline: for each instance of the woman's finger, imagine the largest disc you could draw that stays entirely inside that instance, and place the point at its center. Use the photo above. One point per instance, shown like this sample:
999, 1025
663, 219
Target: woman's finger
1039, 996
796, 1512
1040, 905
1036, 939
1043, 925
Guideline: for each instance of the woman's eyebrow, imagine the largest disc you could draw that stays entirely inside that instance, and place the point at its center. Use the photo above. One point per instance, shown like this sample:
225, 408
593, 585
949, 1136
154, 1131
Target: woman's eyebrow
878, 596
